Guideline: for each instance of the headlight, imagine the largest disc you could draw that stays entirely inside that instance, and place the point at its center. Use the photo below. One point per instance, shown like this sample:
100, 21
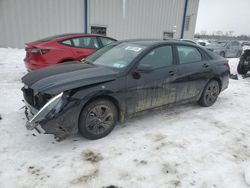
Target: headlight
52, 107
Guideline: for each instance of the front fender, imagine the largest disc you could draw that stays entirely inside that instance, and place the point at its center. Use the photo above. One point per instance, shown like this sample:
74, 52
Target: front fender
86, 95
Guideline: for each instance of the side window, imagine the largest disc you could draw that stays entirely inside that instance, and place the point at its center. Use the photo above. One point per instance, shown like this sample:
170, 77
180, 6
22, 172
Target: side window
159, 57
85, 42
67, 42
235, 43
188, 54
106, 41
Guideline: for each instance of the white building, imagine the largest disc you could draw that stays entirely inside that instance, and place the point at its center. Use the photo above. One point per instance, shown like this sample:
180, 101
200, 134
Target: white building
28, 20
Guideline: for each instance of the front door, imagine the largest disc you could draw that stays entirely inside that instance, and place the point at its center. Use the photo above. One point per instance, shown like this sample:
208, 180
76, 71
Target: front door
155, 86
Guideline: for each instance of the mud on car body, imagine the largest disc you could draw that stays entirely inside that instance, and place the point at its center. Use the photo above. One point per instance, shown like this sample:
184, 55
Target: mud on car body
119, 81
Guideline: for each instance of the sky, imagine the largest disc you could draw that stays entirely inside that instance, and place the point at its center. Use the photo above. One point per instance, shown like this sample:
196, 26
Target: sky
224, 15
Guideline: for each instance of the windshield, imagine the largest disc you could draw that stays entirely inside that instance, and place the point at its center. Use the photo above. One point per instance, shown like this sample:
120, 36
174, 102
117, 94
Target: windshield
218, 43
115, 55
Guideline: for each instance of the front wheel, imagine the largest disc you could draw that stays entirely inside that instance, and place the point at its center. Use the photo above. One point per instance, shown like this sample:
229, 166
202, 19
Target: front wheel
97, 119
210, 94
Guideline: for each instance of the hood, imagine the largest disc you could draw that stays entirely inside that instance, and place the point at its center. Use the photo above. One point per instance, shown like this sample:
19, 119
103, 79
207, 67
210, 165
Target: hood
66, 76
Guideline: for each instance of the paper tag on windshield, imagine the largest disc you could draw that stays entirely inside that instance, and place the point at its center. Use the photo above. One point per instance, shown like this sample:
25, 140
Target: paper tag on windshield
132, 48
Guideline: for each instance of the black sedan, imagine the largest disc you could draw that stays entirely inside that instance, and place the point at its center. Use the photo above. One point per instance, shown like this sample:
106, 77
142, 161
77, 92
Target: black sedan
119, 81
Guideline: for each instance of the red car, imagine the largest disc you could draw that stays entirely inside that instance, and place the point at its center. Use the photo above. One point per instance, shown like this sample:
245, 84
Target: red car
62, 48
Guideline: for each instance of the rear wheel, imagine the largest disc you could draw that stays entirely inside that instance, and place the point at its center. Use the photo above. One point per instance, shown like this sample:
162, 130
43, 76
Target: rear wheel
98, 119
210, 94
222, 54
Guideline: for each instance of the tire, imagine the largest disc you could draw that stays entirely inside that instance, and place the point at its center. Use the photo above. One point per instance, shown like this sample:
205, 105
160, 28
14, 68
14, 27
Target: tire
210, 94
222, 54
97, 119
241, 69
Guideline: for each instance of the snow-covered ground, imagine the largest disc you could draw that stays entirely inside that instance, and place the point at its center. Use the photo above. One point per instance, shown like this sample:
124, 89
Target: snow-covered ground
186, 146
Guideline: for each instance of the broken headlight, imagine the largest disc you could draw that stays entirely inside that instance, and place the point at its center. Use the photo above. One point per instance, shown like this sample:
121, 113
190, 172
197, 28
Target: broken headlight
48, 111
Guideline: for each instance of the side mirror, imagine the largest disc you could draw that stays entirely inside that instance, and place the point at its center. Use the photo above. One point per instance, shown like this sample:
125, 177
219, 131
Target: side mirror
144, 68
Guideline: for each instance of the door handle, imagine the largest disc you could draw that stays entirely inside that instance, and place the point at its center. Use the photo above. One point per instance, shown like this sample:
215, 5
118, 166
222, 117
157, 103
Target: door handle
205, 65
79, 52
171, 73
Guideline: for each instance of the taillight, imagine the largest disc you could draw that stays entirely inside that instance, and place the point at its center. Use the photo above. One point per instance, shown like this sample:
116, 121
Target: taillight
37, 51
226, 65
44, 51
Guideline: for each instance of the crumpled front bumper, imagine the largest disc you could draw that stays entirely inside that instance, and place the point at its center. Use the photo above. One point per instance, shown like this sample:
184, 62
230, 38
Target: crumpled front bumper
58, 117
29, 112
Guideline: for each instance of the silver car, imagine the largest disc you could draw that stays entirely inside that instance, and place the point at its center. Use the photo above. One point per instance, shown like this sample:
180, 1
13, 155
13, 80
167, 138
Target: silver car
226, 48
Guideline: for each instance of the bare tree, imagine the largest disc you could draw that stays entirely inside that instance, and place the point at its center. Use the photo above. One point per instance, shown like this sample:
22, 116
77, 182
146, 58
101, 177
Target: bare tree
219, 33
203, 32
231, 32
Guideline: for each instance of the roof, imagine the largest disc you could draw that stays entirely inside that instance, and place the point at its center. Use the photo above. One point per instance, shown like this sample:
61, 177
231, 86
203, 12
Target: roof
67, 35
150, 42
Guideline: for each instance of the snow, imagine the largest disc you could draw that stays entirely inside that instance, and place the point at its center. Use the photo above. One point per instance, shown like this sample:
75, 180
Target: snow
185, 146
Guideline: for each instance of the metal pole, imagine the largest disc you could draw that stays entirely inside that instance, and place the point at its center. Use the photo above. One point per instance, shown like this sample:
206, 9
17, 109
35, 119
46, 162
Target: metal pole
86, 16
184, 19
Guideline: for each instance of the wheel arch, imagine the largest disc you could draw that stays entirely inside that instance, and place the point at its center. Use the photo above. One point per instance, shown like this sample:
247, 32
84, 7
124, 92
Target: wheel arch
110, 98
66, 59
223, 52
218, 80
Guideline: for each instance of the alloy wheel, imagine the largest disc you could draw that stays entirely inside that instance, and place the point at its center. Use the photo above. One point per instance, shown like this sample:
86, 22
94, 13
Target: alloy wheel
99, 119
212, 92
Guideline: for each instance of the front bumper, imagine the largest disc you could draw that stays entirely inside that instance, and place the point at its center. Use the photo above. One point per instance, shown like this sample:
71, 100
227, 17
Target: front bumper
58, 117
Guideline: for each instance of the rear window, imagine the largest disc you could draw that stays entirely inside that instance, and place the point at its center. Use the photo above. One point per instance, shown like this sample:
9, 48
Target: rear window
188, 54
85, 42
106, 41
53, 37
67, 42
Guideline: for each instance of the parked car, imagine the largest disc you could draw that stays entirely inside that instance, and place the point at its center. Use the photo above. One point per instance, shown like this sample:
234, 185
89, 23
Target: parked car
245, 45
226, 48
62, 48
119, 81
244, 63
203, 42
194, 42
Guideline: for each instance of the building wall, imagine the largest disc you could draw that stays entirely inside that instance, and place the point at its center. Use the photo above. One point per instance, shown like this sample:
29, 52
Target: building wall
23, 21
28, 20
192, 11
142, 18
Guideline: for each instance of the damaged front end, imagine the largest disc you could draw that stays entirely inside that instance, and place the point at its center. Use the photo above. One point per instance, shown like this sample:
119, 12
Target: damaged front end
57, 116
47, 112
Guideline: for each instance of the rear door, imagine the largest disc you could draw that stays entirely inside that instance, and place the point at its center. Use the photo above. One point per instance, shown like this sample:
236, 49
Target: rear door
154, 88
82, 47
235, 45
193, 71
